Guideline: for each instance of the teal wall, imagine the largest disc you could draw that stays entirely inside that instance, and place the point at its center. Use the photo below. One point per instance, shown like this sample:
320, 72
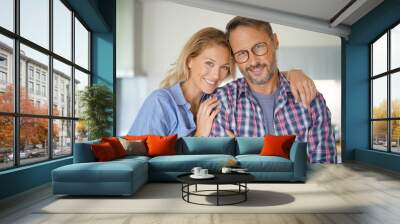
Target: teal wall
356, 85
103, 53
99, 16
102, 59
24, 178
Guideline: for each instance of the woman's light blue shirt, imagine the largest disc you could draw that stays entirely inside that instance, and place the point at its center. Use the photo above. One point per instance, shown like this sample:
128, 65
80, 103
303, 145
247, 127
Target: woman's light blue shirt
165, 112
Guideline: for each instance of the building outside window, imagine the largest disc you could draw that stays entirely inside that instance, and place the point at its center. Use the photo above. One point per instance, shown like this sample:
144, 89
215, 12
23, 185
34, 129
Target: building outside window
37, 74
3, 71
3, 78
43, 77
3, 61
43, 90
30, 72
38, 89
30, 87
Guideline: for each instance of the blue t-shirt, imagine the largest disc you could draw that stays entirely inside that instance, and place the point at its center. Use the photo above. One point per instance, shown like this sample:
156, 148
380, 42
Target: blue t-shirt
267, 104
165, 112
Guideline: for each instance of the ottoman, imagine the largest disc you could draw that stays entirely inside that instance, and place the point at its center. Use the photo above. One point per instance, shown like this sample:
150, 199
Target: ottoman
118, 177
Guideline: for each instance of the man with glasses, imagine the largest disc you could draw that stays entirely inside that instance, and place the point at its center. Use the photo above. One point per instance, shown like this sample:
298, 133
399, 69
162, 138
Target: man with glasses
262, 102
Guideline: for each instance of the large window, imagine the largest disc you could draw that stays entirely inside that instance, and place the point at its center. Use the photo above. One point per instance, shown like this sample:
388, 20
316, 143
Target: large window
385, 92
44, 64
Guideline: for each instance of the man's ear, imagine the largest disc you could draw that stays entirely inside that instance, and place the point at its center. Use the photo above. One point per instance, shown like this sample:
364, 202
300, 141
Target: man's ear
275, 41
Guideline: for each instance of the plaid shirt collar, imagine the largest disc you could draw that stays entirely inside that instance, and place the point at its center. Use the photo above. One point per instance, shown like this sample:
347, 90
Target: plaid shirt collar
283, 88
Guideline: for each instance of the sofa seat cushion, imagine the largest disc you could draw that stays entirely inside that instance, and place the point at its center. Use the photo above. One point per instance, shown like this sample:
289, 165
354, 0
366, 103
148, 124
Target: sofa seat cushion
133, 158
205, 145
112, 171
185, 163
257, 163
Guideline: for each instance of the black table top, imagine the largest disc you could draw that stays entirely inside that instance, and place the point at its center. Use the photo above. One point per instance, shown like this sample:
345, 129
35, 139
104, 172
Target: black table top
220, 178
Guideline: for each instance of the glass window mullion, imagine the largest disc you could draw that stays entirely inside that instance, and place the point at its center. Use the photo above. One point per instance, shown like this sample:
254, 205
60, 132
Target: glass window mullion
16, 83
50, 87
73, 82
389, 112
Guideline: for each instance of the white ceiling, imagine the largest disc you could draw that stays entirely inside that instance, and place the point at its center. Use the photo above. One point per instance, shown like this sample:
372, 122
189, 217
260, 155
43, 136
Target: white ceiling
320, 9
314, 15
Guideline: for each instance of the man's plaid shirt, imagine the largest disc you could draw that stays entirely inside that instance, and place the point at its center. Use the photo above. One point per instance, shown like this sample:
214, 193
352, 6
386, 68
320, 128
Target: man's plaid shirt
241, 114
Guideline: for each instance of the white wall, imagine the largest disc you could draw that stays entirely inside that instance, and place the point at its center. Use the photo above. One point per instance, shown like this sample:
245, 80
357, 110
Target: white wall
125, 38
162, 28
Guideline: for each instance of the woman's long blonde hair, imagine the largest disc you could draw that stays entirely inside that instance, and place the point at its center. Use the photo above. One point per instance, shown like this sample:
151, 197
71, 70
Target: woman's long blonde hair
202, 39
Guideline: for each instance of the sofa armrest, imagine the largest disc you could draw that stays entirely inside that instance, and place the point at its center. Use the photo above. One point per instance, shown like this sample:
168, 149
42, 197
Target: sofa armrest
83, 152
298, 156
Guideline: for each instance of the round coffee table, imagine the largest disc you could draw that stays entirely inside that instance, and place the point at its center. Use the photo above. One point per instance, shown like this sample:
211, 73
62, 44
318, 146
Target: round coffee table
238, 179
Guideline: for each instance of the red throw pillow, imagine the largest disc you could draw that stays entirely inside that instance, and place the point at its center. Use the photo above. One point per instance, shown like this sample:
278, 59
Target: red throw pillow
161, 145
136, 137
116, 145
103, 151
277, 145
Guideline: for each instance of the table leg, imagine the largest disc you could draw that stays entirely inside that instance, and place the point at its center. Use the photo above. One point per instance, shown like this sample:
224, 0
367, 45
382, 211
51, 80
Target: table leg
188, 189
182, 189
217, 194
245, 193
196, 188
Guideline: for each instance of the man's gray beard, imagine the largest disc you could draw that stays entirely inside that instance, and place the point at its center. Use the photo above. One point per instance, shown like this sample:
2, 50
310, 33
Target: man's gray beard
262, 81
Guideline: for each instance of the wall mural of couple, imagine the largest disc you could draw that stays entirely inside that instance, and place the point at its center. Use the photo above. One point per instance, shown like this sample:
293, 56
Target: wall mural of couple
265, 100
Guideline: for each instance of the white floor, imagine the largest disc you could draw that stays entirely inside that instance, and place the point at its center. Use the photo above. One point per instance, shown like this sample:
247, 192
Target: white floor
378, 189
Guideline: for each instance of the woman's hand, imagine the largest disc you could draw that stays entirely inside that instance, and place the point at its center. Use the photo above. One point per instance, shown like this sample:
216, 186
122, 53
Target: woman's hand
302, 87
205, 116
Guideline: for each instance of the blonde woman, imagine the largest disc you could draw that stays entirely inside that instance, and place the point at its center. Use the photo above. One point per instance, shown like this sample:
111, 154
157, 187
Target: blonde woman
183, 105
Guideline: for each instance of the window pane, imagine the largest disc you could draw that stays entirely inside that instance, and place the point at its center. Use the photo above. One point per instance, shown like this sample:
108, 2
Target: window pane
34, 79
62, 138
62, 29
33, 140
6, 142
395, 138
6, 74
379, 135
81, 81
395, 47
379, 55
62, 89
81, 45
7, 14
395, 94
379, 98
81, 131
35, 21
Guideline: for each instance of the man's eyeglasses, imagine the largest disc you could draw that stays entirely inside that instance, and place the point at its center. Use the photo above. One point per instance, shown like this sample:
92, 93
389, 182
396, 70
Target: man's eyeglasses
258, 49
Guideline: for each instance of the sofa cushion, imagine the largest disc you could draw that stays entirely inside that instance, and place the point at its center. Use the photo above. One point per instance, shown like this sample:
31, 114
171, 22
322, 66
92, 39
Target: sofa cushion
257, 163
134, 147
116, 145
111, 171
277, 145
161, 145
83, 152
132, 158
249, 145
206, 145
103, 152
185, 163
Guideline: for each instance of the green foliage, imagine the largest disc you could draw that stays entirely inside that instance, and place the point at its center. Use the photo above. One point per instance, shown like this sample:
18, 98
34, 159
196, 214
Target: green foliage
96, 102
380, 127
